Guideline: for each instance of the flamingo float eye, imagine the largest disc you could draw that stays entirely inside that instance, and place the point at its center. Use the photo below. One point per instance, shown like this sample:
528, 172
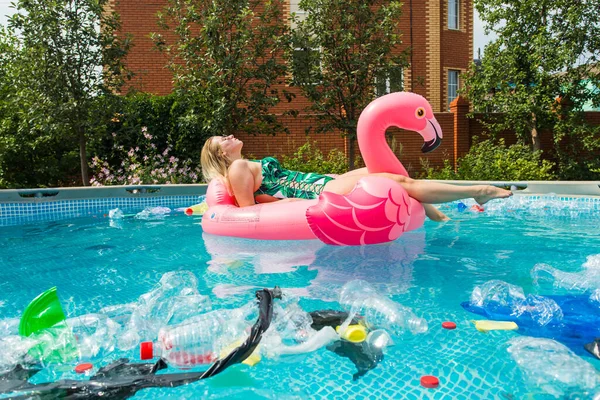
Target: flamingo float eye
420, 112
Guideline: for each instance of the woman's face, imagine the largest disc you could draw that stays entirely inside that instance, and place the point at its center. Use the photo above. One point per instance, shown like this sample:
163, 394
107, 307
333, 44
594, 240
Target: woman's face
229, 144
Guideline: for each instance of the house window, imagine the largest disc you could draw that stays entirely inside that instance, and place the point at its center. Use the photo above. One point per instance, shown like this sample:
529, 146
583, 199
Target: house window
306, 66
295, 9
453, 14
389, 82
453, 76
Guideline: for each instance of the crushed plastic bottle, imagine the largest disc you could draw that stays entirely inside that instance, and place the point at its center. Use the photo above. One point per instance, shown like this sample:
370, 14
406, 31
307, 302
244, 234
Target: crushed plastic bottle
553, 368
85, 338
14, 351
174, 299
539, 308
586, 279
496, 291
379, 311
116, 213
153, 213
201, 339
505, 298
291, 322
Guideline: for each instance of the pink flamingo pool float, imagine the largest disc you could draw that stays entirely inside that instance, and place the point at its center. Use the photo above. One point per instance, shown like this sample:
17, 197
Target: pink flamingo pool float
377, 210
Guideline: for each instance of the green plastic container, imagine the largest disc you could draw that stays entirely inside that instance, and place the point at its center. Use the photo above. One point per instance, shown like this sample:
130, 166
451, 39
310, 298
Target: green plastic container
44, 319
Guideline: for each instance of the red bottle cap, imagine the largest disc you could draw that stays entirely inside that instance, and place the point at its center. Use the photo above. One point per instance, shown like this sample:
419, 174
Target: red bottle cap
146, 351
430, 381
189, 211
81, 368
448, 325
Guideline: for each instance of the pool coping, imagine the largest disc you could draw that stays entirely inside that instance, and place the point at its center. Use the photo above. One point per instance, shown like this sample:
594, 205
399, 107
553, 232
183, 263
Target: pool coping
98, 192
24, 206
536, 188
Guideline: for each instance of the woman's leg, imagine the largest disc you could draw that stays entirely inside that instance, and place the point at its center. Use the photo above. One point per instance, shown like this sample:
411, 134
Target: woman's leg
434, 214
424, 191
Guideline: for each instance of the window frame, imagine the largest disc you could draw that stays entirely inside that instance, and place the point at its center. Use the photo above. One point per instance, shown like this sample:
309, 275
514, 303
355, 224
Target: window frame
456, 20
304, 49
455, 86
388, 82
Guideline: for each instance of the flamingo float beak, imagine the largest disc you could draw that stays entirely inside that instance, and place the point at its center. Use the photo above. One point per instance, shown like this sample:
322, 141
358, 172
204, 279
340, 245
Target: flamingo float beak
432, 135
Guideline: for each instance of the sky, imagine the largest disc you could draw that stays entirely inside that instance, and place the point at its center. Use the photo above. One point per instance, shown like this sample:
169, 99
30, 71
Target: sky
479, 39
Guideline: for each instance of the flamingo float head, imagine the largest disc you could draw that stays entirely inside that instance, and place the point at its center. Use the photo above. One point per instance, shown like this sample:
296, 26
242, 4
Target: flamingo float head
405, 110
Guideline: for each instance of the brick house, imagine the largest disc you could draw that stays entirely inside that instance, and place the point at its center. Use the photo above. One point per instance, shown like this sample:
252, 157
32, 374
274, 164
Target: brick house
440, 34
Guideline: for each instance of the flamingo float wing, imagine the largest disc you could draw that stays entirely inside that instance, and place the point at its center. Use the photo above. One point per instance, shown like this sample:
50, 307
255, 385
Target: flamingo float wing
376, 211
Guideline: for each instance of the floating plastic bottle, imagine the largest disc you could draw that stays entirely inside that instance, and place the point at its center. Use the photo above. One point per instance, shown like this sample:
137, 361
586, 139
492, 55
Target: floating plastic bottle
379, 311
200, 339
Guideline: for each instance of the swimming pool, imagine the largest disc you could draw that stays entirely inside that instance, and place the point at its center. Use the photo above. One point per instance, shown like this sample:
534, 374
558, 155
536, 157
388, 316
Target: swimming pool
98, 262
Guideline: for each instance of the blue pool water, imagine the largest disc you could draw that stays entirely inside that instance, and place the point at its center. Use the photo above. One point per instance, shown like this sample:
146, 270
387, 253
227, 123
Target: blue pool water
98, 262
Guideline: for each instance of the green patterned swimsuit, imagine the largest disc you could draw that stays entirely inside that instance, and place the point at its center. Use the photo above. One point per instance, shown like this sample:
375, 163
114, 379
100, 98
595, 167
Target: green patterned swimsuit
285, 184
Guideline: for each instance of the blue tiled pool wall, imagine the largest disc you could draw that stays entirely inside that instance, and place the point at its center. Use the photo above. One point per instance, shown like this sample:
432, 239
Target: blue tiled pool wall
23, 213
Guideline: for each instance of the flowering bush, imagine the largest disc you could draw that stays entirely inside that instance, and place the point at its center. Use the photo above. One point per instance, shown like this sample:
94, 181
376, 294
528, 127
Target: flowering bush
144, 164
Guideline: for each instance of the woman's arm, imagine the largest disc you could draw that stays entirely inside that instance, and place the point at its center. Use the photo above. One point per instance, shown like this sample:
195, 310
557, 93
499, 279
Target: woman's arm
267, 198
241, 180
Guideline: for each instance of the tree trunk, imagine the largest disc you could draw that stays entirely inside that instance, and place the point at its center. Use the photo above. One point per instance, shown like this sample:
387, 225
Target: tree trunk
351, 153
535, 139
83, 158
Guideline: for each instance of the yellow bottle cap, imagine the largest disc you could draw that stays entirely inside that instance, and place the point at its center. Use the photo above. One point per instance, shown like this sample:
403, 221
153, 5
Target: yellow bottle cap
354, 333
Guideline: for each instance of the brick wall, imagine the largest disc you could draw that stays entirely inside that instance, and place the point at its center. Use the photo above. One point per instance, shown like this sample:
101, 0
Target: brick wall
435, 48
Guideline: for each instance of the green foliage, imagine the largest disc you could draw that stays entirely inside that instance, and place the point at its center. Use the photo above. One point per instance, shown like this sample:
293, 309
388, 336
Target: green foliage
345, 45
58, 76
544, 49
226, 62
308, 158
577, 147
166, 117
491, 161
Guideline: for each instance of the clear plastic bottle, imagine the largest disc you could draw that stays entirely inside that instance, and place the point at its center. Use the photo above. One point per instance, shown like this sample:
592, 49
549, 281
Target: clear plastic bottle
201, 339
380, 311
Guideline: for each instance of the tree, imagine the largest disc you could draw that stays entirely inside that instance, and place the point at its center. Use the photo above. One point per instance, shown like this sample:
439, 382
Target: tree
545, 49
226, 61
339, 51
65, 62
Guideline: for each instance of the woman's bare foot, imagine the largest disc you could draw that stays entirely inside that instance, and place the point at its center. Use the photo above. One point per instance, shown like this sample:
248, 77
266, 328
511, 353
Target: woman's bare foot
434, 214
488, 193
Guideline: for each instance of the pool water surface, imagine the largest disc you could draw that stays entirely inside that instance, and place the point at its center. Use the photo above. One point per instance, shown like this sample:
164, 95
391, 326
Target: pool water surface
101, 262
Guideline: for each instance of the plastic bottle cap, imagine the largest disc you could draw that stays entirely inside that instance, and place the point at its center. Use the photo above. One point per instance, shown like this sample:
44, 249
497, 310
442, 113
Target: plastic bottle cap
81, 368
448, 325
146, 350
189, 211
354, 333
430, 381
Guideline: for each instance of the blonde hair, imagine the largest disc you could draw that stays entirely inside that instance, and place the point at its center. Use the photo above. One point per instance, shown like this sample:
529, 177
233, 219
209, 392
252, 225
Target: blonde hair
214, 162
